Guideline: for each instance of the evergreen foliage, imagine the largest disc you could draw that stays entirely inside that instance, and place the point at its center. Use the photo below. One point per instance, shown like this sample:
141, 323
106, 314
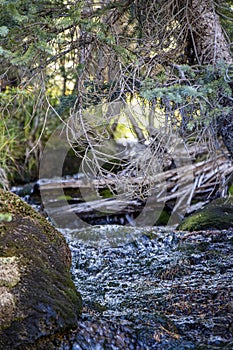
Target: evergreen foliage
58, 57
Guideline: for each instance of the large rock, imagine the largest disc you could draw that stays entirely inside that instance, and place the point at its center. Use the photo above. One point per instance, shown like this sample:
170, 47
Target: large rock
216, 215
37, 296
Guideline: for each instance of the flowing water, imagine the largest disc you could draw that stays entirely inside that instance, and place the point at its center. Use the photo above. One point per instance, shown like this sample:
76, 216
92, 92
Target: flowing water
151, 288
147, 288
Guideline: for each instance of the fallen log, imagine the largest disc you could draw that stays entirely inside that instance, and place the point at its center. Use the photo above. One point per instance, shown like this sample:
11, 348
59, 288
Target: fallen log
186, 189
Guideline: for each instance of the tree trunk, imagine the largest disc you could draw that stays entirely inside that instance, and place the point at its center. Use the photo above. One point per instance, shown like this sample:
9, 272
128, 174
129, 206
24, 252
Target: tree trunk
209, 42
211, 47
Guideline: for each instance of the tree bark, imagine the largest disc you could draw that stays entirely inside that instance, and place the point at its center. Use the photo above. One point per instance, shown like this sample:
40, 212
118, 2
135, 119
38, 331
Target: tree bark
211, 47
209, 41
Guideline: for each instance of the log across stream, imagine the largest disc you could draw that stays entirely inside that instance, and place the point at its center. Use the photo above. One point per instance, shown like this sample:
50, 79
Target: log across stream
178, 191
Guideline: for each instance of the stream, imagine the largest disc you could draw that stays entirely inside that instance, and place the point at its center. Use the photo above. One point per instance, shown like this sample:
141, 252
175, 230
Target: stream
151, 288
146, 288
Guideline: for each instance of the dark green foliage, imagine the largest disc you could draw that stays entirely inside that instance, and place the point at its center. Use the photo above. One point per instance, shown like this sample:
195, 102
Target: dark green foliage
201, 88
72, 55
31, 27
65, 103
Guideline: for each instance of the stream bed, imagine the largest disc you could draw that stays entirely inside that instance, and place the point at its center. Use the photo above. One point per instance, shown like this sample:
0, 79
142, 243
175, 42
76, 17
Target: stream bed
148, 287
152, 288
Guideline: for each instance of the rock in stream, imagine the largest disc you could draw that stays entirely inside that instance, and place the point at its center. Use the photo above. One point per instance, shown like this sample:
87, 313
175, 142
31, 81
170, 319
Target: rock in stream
38, 300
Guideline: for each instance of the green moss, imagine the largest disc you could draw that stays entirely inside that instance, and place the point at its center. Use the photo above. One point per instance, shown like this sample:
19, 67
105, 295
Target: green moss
105, 193
163, 218
217, 215
64, 198
13, 205
34, 269
231, 190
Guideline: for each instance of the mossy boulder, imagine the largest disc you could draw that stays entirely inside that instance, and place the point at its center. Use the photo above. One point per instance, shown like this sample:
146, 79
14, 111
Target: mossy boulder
216, 215
38, 299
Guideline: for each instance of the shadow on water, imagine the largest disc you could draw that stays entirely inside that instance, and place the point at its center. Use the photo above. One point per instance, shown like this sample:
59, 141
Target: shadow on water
154, 288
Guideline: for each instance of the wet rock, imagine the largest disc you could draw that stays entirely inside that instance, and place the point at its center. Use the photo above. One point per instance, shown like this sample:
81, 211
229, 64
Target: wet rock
216, 215
37, 296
